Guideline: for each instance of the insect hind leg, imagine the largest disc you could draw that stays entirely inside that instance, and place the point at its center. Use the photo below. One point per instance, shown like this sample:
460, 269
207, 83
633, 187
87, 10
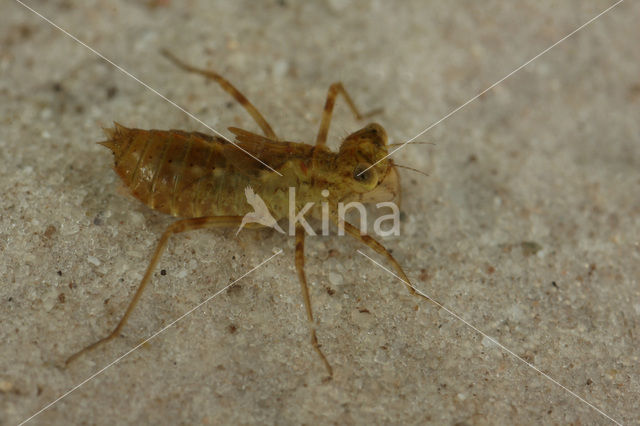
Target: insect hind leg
229, 88
175, 228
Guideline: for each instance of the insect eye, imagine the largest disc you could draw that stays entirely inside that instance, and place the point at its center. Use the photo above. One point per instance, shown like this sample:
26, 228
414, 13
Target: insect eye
361, 174
360, 177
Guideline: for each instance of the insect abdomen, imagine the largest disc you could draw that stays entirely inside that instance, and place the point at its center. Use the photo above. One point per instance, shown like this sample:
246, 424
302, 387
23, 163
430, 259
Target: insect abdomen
180, 173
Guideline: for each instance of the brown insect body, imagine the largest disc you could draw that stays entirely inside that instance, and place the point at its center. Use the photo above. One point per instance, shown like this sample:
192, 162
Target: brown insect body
191, 174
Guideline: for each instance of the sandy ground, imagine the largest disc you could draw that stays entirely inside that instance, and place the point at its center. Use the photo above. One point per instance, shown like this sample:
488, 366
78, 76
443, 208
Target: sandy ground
527, 226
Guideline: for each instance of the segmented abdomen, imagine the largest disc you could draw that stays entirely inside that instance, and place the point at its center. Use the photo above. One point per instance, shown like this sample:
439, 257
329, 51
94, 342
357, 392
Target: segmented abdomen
184, 174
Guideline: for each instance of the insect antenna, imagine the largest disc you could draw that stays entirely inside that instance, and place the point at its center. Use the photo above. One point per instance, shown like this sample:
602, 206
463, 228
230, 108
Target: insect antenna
411, 143
412, 169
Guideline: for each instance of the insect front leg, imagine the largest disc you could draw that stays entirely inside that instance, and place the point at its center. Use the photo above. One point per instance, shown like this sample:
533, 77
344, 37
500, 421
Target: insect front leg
175, 228
379, 248
300, 234
334, 90
230, 89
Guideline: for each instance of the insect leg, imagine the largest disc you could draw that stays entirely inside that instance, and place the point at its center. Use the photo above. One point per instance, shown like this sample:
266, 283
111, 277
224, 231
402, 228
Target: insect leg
300, 233
230, 89
379, 248
174, 228
334, 90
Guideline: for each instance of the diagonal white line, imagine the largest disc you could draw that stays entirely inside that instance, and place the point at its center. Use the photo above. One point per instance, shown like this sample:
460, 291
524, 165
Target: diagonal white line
494, 85
500, 345
148, 87
146, 340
